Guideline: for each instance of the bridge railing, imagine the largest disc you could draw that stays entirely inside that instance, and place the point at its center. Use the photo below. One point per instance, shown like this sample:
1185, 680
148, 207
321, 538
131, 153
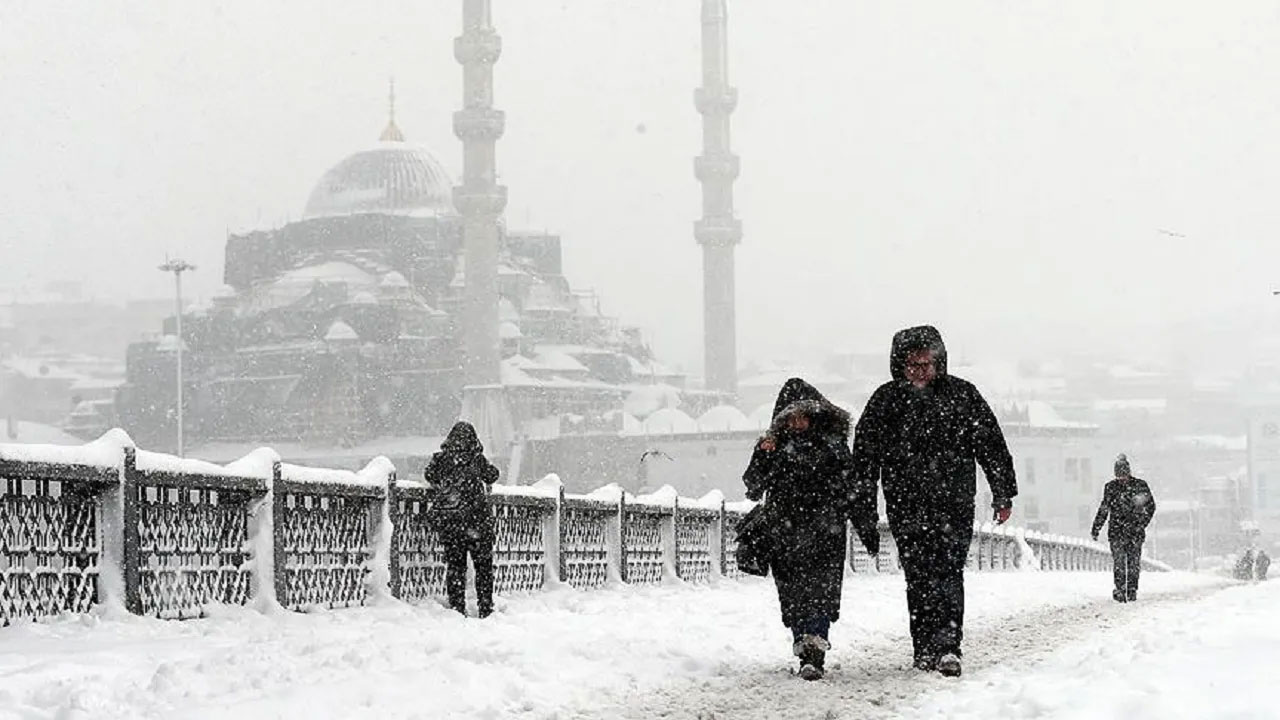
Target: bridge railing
160, 536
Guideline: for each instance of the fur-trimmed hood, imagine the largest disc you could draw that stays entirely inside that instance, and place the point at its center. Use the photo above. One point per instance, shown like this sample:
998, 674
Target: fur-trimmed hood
798, 397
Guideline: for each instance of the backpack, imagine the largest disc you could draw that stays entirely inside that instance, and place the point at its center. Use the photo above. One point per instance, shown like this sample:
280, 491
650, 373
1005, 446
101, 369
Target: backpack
448, 504
755, 542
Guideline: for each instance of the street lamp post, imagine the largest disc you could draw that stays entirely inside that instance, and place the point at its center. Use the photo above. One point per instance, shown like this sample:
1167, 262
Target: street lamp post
177, 267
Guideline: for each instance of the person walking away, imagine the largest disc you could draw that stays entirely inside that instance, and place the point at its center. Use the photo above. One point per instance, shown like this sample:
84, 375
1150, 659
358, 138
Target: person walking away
800, 468
1129, 505
922, 435
460, 511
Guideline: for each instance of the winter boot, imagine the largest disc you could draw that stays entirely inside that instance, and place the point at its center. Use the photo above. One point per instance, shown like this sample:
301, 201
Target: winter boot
949, 665
927, 663
1119, 596
812, 651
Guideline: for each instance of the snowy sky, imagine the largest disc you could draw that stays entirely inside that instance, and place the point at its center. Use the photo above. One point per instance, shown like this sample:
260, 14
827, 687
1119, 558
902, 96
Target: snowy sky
1002, 169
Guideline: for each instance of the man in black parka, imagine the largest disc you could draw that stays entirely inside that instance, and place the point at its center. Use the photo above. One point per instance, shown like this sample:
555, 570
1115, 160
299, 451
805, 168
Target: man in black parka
460, 477
920, 436
1128, 502
801, 468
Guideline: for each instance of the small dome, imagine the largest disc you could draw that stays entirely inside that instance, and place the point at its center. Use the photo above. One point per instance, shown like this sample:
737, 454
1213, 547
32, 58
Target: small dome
394, 279
724, 418
340, 332
669, 421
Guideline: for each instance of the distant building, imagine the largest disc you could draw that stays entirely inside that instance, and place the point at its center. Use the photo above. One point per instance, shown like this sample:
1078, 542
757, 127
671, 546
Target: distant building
344, 327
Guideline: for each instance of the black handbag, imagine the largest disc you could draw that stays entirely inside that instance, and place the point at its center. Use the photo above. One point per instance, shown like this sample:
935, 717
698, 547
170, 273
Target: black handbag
755, 543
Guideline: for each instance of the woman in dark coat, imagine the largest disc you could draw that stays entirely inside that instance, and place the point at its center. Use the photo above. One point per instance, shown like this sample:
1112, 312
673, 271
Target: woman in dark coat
461, 513
802, 469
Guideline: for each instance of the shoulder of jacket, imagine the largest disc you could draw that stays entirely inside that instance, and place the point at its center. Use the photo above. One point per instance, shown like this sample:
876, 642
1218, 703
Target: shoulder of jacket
961, 386
885, 395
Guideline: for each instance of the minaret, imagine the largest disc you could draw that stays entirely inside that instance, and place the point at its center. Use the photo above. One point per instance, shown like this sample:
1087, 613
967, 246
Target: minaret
480, 201
718, 231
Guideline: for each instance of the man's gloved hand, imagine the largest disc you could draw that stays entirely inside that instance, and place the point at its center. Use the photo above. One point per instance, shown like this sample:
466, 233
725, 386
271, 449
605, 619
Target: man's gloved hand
1003, 508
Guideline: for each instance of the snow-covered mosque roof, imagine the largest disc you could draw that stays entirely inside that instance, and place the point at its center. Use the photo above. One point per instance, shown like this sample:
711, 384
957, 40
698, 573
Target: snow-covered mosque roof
1042, 414
509, 331
340, 332
724, 418
669, 421
393, 178
394, 279
644, 400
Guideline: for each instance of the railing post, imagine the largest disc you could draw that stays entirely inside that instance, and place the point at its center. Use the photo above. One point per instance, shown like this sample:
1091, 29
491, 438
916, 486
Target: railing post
719, 549
110, 517
622, 537
393, 515
552, 537
279, 518
132, 553
670, 553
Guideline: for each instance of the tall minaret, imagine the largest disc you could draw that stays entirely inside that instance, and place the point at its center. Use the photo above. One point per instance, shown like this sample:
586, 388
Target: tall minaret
480, 200
718, 231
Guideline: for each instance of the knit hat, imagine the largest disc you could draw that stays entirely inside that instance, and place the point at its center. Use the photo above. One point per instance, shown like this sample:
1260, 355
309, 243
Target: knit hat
1122, 466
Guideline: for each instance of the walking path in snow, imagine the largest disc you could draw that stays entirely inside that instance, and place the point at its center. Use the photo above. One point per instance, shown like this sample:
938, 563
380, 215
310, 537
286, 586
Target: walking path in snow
671, 651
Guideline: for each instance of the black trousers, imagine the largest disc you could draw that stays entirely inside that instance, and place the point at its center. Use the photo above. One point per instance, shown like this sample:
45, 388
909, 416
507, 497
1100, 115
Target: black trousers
1126, 558
479, 545
933, 563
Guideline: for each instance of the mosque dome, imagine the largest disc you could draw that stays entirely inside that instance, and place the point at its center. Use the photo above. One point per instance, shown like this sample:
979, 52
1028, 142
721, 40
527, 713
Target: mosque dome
393, 177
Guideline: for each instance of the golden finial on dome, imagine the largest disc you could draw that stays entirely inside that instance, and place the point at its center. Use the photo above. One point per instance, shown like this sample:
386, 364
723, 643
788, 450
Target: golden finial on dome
392, 133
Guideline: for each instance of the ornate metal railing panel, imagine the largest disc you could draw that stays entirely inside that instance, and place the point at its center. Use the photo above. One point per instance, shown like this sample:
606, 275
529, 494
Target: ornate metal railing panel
325, 547
420, 552
193, 548
584, 548
642, 538
519, 550
49, 545
694, 529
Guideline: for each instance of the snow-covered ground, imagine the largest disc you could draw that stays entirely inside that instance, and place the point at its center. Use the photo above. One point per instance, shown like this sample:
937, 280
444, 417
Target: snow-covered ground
1038, 645
1217, 658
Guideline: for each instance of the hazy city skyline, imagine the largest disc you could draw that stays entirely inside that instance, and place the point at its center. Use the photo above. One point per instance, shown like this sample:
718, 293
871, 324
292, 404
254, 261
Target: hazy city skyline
1011, 173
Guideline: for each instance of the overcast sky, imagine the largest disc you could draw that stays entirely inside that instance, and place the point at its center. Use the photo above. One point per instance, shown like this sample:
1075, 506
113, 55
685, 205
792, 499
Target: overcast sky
1002, 169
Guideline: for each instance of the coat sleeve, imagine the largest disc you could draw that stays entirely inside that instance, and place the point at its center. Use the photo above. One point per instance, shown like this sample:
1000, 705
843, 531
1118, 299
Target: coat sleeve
866, 463
1149, 511
488, 472
1103, 510
991, 451
430, 473
759, 473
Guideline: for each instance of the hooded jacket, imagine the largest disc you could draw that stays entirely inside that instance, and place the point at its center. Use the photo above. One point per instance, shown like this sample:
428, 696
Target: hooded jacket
460, 469
805, 482
924, 445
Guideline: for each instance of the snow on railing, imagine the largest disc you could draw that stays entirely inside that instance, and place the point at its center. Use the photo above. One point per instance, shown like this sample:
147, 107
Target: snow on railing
107, 524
